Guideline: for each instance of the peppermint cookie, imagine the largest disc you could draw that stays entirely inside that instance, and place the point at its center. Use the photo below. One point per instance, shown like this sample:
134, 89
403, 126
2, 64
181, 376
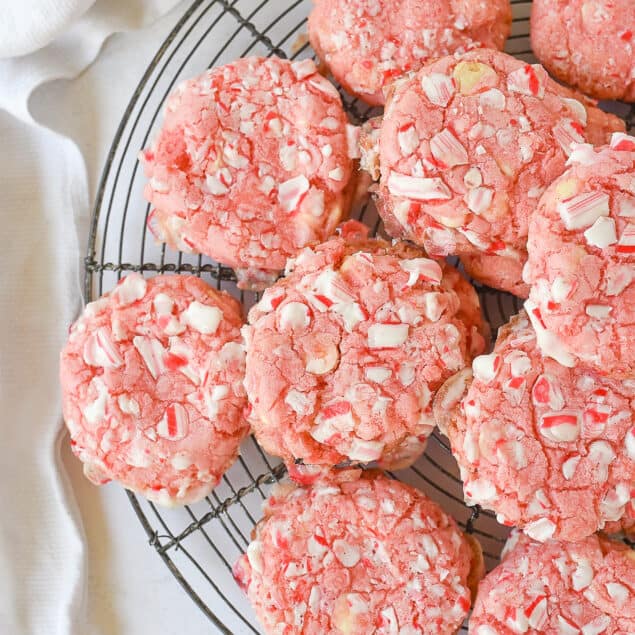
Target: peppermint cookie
251, 164
345, 354
467, 147
358, 553
367, 44
557, 588
582, 261
548, 448
152, 387
588, 44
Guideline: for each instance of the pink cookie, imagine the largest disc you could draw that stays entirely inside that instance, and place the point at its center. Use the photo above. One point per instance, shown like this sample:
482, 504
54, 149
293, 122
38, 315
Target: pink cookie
498, 272
152, 387
582, 261
466, 149
345, 354
358, 553
252, 163
548, 448
367, 44
556, 588
589, 44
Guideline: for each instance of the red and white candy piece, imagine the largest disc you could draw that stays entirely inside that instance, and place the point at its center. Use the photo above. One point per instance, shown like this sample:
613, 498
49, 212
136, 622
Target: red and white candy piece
584, 209
622, 141
525, 81
568, 134
291, 192
100, 351
174, 423
439, 88
626, 243
418, 188
448, 150
602, 233
561, 427
132, 288
387, 335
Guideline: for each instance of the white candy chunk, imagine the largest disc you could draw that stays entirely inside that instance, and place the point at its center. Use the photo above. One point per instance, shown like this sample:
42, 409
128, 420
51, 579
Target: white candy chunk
448, 150
202, 318
152, 353
493, 98
526, 82
560, 289
438, 88
346, 553
486, 367
598, 311
480, 490
423, 268
582, 577
254, 555
132, 288
418, 188
569, 467
565, 627
294, 315
577, 109
479, 199
128, 405
299, 402
567, 134
601, 453
434, 305
618, 592
163, 304
622, 141
100, 351
602, 233
387, 335
537, 613
174, 423
597, 626
314, 599
483, 629
352, 139
304, 68
365, 451
95, 412
630, 444
408, 140
378, 374
291, 192
406, 374
584, 209
549, 344
336, 174
473, 178
540, 530
351, 313
215, 185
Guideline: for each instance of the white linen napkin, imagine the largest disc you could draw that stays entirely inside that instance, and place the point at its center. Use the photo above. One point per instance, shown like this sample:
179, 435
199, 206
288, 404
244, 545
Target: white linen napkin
43, 200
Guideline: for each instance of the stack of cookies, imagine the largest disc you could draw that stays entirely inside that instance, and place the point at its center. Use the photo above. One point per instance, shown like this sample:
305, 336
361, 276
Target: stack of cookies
349, 361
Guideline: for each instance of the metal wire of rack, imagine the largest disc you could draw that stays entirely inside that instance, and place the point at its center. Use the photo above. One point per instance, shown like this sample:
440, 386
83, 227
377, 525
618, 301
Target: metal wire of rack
199, 543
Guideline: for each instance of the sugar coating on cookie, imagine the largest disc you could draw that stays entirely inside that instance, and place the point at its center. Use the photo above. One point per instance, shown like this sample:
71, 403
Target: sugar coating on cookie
367, 44
587, 44
152, 387
467, 147
548, 448
582, 260
344, 355
252, 162
357, 554
582, 588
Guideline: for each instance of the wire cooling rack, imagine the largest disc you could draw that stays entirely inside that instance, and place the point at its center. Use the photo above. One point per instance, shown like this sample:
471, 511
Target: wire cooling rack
199, 543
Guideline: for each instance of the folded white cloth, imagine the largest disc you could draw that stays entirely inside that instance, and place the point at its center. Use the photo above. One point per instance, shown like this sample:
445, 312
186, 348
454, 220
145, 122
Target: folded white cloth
44, 198
29, 25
